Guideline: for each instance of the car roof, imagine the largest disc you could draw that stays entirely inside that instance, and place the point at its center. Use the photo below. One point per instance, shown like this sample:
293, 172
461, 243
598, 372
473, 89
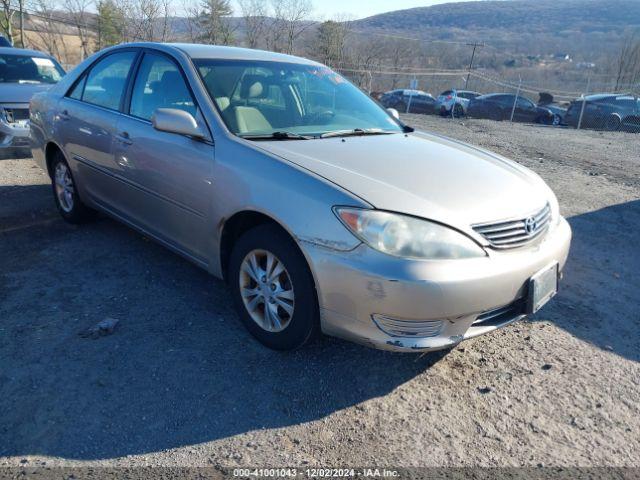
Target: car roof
492, 95
199, 51
602, 96
23, 51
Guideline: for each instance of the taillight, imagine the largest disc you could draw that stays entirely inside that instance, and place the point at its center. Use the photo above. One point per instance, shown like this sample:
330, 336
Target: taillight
449, 97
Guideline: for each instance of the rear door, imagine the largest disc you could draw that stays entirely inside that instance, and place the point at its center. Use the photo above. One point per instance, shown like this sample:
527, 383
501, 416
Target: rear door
169, 175
86, 125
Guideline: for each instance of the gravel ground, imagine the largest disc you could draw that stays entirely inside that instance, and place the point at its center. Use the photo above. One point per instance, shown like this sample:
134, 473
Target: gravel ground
180, 382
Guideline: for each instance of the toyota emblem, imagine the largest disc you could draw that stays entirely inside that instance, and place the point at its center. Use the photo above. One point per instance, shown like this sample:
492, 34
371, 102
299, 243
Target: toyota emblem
530, 225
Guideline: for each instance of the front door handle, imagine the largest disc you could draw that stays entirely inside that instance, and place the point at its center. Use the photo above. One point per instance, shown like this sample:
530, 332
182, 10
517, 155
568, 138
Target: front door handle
124, 138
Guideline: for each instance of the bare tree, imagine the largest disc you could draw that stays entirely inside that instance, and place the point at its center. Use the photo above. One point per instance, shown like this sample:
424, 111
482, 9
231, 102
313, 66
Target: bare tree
254, 14
399, 53
628, 63
6, 19
49, 32
146, 20
290, 21
78, 11
192, 12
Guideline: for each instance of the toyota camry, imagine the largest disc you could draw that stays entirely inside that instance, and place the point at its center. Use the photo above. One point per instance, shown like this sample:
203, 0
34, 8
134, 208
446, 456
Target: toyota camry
323, 211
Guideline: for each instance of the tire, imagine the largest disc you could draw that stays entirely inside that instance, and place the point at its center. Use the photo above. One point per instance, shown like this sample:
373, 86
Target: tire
65, 193
292, 329
497, 115
613, 123
458, 110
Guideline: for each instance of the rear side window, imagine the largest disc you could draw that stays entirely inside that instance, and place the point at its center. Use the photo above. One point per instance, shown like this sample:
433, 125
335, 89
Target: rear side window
76, 93
106, 81
505, 99
159, 84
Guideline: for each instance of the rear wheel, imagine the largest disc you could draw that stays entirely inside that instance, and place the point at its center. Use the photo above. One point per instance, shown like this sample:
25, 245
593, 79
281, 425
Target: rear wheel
613, 123
65, 193
273, 289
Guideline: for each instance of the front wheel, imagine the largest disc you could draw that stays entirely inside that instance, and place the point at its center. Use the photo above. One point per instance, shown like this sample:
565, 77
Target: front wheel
65, 193
273, 289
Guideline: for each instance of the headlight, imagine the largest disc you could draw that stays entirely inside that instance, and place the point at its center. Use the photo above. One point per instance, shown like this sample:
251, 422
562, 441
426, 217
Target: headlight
407, 237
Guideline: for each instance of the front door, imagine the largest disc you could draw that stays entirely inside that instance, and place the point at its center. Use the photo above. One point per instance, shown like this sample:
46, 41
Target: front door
170, 175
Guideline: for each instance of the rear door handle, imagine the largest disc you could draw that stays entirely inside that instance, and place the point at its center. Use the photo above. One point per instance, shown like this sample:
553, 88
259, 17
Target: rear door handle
124, 137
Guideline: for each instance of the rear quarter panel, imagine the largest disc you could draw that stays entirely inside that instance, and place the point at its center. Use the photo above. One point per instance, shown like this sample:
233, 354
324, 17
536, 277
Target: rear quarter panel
42, 114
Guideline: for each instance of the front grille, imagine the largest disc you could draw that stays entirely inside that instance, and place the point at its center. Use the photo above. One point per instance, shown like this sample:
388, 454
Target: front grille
408, 328
515, 233
15, 114
498, 316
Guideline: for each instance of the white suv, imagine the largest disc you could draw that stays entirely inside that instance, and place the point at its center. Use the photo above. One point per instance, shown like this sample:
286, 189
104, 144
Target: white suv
458, 100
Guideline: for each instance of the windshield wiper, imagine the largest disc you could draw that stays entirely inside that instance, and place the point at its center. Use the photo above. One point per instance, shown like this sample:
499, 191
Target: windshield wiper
277, 136
356, 132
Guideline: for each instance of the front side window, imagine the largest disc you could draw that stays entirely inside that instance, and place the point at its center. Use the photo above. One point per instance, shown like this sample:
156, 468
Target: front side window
27, 69
107, 79
261, 97
159, 84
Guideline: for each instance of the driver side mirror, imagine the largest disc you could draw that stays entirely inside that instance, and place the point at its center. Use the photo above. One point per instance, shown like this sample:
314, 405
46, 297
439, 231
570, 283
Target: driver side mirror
394, 113
173, 120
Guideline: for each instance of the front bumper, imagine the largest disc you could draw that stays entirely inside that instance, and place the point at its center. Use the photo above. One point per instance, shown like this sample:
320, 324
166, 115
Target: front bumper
438, 300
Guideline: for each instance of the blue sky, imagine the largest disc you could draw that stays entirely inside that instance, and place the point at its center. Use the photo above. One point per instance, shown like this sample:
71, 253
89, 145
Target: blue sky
326, 9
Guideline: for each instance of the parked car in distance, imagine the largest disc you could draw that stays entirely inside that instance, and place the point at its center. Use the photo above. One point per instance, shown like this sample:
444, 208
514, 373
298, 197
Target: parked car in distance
606, 111
321, 210
22, 74
409, 101
499, 106
458, 100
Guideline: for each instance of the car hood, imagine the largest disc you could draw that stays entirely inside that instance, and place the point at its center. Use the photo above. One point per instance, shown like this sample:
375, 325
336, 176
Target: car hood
20, 92
421, 174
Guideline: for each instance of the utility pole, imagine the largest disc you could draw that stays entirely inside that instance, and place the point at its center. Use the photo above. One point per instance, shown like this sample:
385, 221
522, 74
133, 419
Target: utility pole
473, 55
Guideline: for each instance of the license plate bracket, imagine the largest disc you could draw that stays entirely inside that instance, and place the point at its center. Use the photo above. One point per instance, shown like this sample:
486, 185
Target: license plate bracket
543, 286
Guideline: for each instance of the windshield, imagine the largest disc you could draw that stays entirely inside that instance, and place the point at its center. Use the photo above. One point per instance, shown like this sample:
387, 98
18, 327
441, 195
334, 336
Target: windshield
27, 69
262, 98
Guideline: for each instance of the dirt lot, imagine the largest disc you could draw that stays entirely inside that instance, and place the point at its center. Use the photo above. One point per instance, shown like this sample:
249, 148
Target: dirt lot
181, 383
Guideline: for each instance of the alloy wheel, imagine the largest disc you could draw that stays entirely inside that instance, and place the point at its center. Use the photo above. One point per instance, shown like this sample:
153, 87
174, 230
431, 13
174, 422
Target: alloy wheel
266, 290
64, 187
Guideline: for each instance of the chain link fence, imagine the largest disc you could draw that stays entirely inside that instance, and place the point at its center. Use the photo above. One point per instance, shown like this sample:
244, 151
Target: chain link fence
576, 99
